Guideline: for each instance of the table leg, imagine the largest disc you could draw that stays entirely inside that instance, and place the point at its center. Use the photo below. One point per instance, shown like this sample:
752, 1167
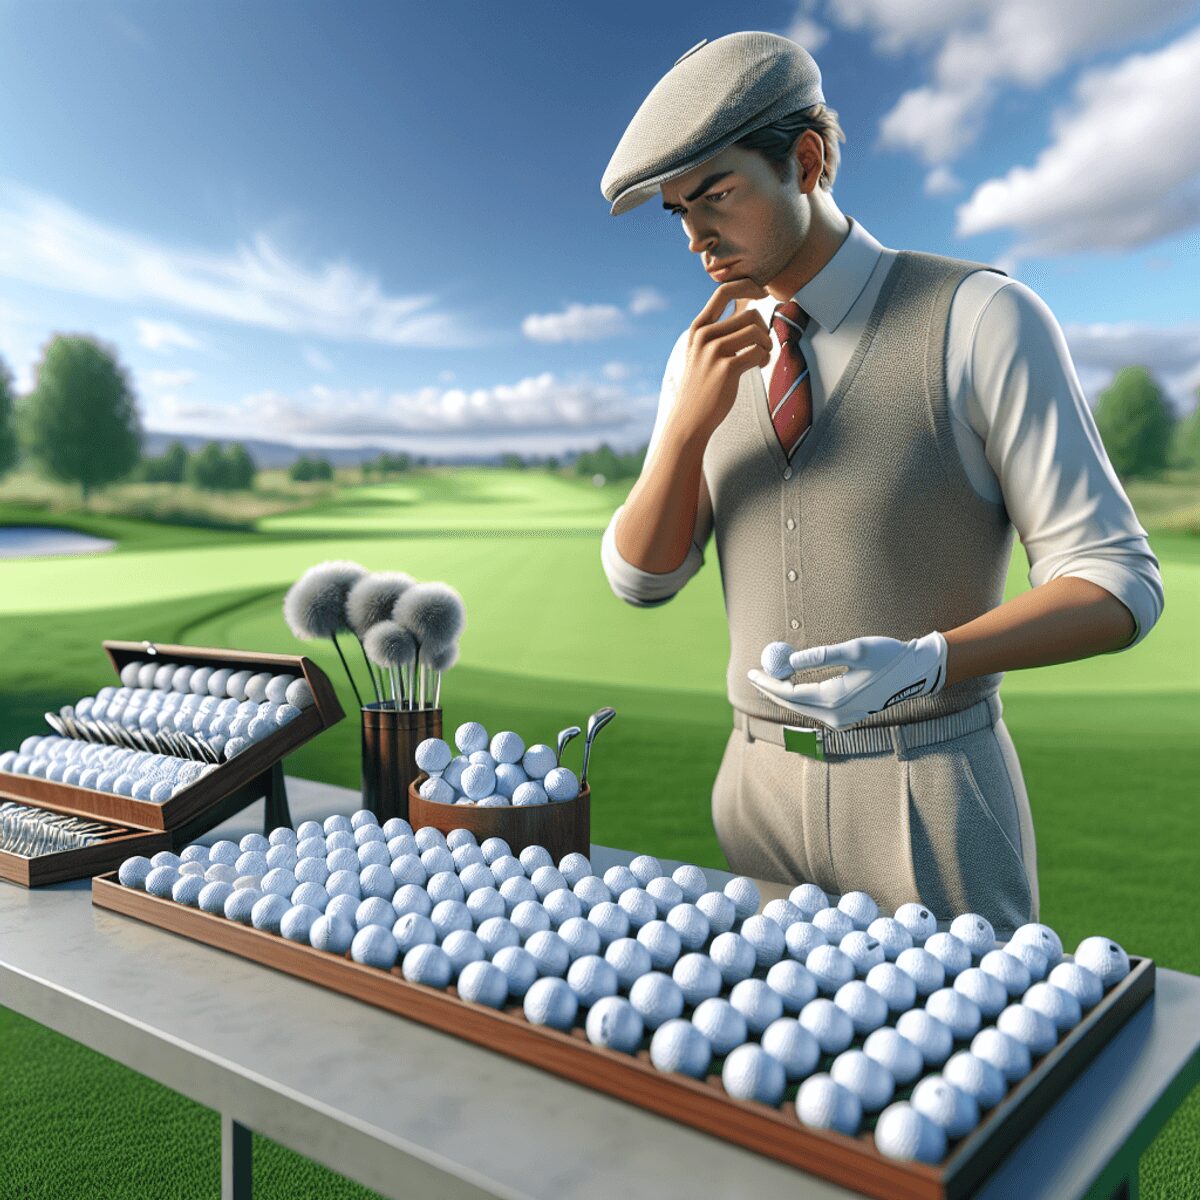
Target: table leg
236, 1177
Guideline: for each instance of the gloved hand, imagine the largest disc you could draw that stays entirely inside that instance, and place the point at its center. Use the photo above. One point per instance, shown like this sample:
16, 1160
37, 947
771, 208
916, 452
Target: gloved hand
881, 672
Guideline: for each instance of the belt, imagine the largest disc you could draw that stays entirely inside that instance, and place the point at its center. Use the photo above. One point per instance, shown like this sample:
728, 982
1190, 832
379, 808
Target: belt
823, 744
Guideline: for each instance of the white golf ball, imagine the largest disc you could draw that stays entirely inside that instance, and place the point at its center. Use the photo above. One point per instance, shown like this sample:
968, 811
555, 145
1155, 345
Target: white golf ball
638, 906
975, 932
581, 936
551, 1002
239, 905
549, 952
677, 1045
461, 947
592, 978
862, 950
268, 910
697, 975
895, 1052
133, 872
869, 1080
519, 968
1061, 1007
413, 929
692, 882
187, 889
809, 899
950, 951
213, 896
977, 1077
1103, 958
470, 737
802, 938
721, 1024
478, 780
984, 989
613, 1022
688, 922
1044, 938
482, 982
433, 755
757, 1002
930, 1036
766, 937
897, 989
865, 1007
427, 964
776, 660
745, 896
782, 912
957, 1012
296, 924
860, 908
663, 941
793, 983
1005, 1053
507, 747
438, 791
1012, 973
832, 1028
1077, 980
610, 920
822, 1103
918, 920
561, 784
161, 880
539, 760
719, 909
591, 890
750, 1073
830, 967
1031, 956
793, 1046
907, 1135
657, 998
1029, 1026
630, 959
944, 1104
833, 923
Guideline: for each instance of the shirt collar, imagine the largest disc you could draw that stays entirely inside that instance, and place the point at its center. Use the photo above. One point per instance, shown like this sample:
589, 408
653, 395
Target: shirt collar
831, 293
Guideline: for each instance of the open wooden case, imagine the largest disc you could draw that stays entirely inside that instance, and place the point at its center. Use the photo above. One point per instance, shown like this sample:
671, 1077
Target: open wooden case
145, 827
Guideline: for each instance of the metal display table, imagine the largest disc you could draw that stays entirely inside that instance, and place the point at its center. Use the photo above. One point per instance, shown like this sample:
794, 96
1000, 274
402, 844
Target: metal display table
409, 1111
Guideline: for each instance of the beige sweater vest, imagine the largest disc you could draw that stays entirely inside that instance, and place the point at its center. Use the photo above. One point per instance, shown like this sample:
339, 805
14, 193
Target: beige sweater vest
888, 537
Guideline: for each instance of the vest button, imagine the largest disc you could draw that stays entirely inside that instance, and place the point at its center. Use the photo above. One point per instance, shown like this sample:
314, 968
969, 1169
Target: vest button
790, 523
795, 623
787, 472
792, 576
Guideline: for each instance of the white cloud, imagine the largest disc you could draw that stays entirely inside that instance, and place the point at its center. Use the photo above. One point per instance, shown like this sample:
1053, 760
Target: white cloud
45, 242
446, 377
542, 408
616, 371
978, 46
578, 323
647, 300
169, 379
942, 181
163, 336
806, 32
1123, 166
315, 359
1171, 353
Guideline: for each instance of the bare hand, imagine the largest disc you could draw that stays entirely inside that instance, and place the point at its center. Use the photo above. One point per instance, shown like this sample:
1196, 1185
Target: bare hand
720, 353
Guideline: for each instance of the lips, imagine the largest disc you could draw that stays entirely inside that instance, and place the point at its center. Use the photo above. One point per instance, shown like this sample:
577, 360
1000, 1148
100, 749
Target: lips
721, 271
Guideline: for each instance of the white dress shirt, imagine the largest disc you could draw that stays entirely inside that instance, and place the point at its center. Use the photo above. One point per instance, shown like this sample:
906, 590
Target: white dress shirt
1020, 421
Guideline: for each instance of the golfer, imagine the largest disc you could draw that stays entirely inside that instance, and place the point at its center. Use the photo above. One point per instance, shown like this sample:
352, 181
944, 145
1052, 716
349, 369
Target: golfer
863, 435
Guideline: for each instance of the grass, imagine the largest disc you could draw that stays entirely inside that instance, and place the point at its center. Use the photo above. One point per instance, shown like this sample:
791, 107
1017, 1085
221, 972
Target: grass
1107, 745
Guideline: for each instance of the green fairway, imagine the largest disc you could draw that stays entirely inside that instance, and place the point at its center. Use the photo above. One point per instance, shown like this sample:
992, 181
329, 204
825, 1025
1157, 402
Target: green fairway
1108, 745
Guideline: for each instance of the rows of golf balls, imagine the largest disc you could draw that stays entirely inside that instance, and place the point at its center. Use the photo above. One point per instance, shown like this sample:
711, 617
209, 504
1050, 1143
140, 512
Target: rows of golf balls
701, 972
113, 769
497, 772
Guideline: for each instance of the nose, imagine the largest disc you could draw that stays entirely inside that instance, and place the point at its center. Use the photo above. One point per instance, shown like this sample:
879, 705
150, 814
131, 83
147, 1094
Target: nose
701, 235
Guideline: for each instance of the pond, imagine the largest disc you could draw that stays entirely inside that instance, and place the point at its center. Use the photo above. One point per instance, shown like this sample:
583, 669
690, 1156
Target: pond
38, 541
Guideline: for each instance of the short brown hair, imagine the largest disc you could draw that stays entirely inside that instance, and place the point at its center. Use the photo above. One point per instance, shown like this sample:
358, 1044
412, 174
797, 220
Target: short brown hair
777, 140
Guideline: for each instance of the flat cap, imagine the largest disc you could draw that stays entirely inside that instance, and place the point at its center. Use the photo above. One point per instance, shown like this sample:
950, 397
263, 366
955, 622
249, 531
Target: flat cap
715, 94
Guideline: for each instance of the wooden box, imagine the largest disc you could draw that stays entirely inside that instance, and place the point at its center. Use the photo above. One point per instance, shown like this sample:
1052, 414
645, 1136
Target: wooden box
563, 828
144, 827
853, 1162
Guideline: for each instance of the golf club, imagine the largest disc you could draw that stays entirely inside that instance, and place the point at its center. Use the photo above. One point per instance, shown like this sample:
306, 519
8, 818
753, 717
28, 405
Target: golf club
596, 722
564, 736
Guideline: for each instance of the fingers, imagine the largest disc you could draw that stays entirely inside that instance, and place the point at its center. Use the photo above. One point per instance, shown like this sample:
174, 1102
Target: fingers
723, 295
806, 694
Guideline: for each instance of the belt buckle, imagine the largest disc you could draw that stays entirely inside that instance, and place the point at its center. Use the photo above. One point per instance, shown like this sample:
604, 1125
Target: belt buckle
808, 742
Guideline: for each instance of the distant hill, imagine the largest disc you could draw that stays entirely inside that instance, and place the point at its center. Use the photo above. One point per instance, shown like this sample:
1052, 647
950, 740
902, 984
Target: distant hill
280, 454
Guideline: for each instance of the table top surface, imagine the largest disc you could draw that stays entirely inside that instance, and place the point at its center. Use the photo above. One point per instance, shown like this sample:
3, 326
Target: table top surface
307, 1066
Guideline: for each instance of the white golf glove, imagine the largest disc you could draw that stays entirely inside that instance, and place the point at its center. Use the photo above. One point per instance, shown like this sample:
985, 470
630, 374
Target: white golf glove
880, 672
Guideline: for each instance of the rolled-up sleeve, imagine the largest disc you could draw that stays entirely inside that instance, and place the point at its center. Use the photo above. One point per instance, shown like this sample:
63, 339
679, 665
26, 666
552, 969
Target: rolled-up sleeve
645, 589
1061, 492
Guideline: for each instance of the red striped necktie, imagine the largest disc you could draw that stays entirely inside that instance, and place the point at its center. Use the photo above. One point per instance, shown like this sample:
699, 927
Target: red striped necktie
790, 397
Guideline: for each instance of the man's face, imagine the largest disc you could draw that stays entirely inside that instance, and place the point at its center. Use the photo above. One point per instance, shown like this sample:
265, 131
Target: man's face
738, 213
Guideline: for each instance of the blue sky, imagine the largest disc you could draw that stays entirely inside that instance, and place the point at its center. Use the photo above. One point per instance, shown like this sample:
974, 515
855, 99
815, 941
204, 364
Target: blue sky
381, 222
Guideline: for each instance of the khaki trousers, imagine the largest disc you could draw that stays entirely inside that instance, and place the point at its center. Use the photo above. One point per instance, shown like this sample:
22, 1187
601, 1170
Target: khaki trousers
947, 825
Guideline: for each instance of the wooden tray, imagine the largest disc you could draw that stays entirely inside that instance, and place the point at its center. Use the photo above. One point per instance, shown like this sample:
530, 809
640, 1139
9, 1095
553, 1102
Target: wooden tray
563, 828
703, 1104
235, 783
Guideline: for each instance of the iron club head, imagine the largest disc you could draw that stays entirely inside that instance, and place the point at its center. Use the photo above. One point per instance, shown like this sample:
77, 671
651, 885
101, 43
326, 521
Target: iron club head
564, 736
596, 722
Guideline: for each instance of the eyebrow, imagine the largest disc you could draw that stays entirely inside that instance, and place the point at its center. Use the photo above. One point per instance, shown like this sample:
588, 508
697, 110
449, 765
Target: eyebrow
700, 190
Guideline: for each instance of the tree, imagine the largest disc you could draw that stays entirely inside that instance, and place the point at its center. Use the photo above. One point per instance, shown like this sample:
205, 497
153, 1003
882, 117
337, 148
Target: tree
239, 468
81, 418
1185, 446
8, 430
512, 462
306, 469
168, 467
1135, 422
207, 468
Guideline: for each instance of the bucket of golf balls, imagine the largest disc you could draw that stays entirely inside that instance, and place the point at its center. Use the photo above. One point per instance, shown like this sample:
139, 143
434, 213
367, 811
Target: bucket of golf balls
497, 786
